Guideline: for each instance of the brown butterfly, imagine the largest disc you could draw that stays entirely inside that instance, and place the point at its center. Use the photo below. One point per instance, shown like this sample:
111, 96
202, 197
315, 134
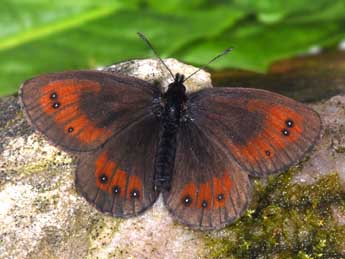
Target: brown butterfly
198, 149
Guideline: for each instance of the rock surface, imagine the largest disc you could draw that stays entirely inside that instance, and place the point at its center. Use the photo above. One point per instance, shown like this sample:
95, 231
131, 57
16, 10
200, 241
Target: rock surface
42, 216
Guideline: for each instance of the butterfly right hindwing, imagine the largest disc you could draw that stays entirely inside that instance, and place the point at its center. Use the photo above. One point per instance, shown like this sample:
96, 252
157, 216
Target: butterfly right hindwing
209, 189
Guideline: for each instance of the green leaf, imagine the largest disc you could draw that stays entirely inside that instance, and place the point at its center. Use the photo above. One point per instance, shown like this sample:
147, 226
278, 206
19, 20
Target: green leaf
25, 17
103, 38
257, 46
176, 5
37, 36
272, 11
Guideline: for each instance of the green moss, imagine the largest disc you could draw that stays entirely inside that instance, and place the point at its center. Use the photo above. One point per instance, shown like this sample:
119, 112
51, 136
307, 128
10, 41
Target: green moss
286, 220
340, 150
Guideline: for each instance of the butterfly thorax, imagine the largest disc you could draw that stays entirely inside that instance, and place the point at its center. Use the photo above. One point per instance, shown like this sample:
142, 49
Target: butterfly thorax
173, 105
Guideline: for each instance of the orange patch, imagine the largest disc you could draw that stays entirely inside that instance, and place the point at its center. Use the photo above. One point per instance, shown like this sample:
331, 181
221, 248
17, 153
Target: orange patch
221, 186
101, 160
120, 180
205, 194
134, 184
66, 114
68, 93
240, 151
70, 86
274, 123
86, 131
91, 133
104, 168
227, 182
189, 190
218, 189
78, 125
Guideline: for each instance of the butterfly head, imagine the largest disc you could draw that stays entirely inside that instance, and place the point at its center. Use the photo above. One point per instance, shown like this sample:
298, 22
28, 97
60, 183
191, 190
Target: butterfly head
176, 93
179, 78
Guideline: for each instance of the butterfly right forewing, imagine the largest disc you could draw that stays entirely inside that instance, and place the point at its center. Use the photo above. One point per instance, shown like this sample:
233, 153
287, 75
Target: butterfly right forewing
263, 131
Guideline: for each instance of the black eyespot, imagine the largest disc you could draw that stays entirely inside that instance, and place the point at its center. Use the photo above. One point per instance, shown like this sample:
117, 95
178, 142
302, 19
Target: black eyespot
116, 189
187, 200
56, 105
103, 178
220, 197
53, 96
285, 132
289, 123
134, 194
268, 153
70, 129
204, 204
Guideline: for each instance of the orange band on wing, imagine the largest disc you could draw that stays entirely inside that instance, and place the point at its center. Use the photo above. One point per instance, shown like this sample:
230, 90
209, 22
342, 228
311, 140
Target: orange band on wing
104, 168
68, 97
119, 180
272, 131
221, 189
205, 195
68, 113
134, 184
189, 191
67, 92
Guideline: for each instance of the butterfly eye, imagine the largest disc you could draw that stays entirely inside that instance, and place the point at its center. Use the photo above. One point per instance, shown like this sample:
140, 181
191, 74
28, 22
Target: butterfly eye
289, 123
56, 105
285, 132
70, 129
204, 204
220, 197
268, 153
187, 200
134, 194
53, 96
103, 178
116, 189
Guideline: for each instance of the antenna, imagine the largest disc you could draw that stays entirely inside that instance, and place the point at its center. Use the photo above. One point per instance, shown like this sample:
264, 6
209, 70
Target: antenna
215, 58
142, 36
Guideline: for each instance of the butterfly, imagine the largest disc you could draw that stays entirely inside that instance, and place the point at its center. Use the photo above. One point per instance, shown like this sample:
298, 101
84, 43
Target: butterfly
198, 149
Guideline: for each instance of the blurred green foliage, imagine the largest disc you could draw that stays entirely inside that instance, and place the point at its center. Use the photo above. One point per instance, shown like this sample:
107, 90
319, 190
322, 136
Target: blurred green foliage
38, 36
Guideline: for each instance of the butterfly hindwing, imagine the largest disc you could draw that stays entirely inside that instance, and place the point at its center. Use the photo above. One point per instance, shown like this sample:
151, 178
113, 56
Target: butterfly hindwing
118, 178
209, 190
263, 131
80, 110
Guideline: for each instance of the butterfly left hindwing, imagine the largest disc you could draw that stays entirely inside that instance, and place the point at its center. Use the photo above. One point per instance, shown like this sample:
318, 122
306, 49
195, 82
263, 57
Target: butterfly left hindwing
118, 178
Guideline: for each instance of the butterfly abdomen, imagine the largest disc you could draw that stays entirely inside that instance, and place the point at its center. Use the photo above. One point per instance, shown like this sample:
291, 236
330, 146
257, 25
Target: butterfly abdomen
174, 100
165, 155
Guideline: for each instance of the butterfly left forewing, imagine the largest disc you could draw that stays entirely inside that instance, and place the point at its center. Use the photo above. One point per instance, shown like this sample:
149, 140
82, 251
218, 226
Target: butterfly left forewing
118, 178
80, 110
209, 190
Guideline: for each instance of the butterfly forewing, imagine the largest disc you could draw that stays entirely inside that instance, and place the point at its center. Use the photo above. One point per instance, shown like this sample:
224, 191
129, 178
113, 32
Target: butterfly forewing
80, 110
209, 189
118, 178
263, 131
